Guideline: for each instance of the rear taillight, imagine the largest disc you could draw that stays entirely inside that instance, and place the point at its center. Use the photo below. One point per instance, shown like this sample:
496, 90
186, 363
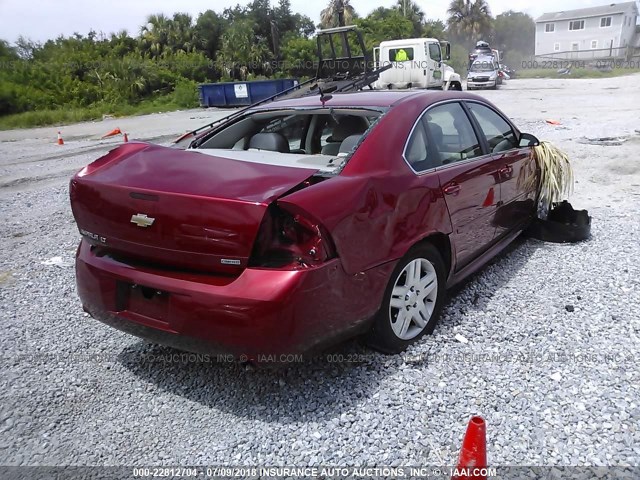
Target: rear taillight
290, 240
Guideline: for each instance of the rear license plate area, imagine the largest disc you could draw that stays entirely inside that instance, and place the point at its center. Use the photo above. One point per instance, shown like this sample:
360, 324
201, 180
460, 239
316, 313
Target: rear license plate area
142, 300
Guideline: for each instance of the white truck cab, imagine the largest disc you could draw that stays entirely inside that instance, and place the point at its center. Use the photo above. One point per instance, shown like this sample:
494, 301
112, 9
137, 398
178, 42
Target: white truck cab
415, 63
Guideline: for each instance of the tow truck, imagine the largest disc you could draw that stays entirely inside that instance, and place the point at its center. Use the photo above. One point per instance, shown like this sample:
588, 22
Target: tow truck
415, 63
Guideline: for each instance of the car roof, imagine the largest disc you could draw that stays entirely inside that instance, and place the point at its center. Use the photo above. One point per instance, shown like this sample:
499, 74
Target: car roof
367, 98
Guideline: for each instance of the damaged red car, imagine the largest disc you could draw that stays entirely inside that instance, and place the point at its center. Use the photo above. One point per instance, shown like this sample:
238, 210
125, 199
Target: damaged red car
303, 221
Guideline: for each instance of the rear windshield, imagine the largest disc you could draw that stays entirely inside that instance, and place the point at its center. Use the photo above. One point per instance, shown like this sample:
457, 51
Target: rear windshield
294, 137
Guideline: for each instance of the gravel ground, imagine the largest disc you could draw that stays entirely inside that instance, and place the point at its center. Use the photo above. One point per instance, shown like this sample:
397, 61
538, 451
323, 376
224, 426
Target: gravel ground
551, 358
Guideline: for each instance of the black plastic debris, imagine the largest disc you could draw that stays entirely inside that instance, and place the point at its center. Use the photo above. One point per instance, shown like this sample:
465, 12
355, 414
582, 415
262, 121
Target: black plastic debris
563, 225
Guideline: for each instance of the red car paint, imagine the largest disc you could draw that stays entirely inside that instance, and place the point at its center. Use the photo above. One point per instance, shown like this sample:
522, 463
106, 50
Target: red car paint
205, 208
168, 282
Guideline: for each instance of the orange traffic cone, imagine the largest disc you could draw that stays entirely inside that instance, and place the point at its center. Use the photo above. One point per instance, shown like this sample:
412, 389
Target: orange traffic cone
473, 454
488, 201
116, 131
60, 140
126, 137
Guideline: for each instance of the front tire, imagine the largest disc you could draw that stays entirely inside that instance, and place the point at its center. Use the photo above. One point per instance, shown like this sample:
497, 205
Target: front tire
412, 300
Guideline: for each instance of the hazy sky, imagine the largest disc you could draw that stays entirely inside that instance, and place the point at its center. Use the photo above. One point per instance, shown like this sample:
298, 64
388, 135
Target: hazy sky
45, 19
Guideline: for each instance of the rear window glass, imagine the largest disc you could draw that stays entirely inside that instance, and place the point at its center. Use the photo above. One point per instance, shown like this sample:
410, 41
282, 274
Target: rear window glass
483, 66
403, 54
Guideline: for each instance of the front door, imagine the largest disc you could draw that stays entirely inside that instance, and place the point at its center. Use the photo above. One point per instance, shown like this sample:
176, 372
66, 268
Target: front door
434, 65
516, 169
468, 178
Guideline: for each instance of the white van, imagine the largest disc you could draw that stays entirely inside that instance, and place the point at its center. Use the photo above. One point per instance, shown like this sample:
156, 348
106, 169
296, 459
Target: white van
416, 63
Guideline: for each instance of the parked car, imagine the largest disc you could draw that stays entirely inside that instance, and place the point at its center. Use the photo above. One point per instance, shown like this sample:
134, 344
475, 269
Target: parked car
482, 48
483, 73
302, 222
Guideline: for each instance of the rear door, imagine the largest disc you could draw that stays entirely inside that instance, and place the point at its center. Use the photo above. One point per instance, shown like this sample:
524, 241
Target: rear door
468, 179
515, 165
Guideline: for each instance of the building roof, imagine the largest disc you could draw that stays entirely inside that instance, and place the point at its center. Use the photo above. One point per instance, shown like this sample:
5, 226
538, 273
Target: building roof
600, 11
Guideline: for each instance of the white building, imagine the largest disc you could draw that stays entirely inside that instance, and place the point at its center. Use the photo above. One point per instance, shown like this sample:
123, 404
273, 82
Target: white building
594, 32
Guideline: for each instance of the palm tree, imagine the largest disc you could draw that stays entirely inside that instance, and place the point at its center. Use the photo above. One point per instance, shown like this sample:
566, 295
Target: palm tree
469, 20
337, 14
155, 34
182, 34
412, 11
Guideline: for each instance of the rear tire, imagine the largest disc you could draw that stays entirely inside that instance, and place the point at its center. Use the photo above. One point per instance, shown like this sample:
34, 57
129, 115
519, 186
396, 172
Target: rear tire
412, 301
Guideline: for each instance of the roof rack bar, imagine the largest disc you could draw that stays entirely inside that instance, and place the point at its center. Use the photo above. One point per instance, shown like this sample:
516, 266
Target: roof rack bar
347, 28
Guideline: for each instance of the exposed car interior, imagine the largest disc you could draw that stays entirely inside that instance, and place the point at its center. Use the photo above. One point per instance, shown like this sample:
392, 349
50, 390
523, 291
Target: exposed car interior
311, 137
445, 135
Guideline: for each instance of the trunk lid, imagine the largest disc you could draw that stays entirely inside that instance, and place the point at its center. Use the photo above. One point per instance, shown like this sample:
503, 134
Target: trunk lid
177, 208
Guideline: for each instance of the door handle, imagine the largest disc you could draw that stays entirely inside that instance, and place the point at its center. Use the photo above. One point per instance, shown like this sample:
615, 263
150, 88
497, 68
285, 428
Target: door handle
452, 189
506, 171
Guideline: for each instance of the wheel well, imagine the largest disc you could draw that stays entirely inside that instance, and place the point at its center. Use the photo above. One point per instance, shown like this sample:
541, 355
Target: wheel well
442, 243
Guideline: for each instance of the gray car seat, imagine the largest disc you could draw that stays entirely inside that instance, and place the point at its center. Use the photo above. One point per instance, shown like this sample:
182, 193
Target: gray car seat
274, 142
346, 127
349, 143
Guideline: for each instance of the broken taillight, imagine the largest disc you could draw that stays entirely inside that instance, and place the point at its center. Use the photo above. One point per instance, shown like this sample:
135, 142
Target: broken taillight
290, 239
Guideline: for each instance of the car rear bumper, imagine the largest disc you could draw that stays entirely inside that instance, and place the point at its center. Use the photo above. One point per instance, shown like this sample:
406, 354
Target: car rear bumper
260, 312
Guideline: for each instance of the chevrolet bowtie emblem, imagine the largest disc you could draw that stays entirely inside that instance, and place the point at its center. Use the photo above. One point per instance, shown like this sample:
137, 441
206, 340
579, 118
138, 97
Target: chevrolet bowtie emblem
141, 220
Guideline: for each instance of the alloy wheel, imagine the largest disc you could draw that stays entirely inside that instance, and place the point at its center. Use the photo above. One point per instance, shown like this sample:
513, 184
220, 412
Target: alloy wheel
413, 298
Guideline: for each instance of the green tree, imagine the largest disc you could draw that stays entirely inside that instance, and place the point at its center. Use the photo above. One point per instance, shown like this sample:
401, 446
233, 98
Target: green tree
412, 11
304, 25
299, 56
469, 21
182, 34
242, 52
121, 43
7, 52
154, 36
208, 30
384, 24
284, 18
26, 48
434, 29
514, 32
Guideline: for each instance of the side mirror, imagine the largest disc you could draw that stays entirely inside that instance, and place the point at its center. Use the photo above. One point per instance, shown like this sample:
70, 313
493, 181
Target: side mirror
528, 140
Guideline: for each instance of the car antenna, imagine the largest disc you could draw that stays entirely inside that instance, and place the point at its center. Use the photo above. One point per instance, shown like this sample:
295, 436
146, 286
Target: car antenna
324, 94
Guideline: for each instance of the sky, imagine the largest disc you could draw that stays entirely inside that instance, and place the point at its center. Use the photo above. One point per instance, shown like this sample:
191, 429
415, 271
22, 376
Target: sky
41, 20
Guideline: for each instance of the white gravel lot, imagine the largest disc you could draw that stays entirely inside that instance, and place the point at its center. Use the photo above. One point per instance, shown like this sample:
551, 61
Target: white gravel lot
556, 387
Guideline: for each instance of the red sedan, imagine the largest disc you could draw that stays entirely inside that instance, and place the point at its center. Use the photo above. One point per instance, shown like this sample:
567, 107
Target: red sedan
302, 222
